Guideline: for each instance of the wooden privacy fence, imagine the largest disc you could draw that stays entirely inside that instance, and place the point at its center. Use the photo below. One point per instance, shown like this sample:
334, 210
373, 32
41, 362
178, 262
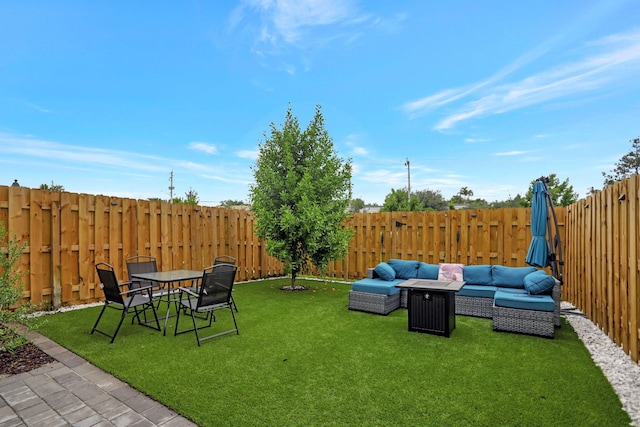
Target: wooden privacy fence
602, 276
68, 233
471, 237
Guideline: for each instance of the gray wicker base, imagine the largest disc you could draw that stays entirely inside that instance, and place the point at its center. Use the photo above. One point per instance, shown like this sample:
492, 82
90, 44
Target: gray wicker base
474, 306
404, 298
529, 322
373, 303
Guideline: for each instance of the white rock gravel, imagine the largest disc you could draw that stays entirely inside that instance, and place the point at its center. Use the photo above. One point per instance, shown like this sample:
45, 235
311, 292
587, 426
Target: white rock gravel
621, 371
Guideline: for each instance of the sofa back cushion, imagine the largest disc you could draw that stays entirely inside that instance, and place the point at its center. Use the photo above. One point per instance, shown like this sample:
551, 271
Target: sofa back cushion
428, 271
477, 274
450, 272
385, 272
404, 269
538, 282
509, 277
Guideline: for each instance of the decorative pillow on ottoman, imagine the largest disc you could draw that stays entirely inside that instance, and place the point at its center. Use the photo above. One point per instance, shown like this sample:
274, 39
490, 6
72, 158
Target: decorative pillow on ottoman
385, 271
538, 282
450, 272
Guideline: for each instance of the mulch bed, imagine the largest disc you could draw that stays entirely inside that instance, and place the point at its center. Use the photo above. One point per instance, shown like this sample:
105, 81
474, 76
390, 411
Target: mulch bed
23, 359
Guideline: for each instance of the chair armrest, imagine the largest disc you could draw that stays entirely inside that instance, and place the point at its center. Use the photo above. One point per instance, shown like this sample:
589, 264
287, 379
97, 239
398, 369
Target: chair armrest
134, 290
187, 291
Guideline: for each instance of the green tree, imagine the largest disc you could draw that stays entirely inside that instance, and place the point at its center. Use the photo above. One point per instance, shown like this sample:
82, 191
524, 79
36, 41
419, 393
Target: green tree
190, 198
515, 202
628, 165
465, 193
229, 203
561, 193
52, 187
432, 200
300, 195
356, 205
396, 201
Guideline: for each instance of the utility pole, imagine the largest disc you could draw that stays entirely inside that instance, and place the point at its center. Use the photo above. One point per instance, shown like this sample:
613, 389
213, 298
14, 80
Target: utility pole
171, 187
408, 165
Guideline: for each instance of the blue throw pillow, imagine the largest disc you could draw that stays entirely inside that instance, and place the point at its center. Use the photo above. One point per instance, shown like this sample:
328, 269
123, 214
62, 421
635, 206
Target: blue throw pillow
385, 272
477, 274
509, 277
404, 269
428, 271
538, 282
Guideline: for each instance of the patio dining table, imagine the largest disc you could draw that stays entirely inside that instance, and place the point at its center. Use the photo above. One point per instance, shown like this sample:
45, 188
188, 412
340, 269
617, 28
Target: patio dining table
170, 280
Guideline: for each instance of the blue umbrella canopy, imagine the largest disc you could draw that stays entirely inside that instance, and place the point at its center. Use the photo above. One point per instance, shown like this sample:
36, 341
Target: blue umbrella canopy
538, 255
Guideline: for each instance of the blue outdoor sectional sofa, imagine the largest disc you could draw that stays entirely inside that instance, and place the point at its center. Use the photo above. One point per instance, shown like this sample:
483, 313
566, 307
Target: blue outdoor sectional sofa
518, 299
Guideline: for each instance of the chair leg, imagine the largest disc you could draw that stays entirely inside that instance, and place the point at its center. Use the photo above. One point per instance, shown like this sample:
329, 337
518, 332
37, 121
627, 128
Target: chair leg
195, 327
124, 314
234, 320
95, 327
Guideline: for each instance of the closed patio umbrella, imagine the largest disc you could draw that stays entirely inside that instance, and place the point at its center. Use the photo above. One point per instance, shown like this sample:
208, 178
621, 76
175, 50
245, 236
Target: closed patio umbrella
538, 255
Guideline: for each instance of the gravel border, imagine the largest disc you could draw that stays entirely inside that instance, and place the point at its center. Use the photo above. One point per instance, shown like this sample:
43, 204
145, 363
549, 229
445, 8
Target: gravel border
620, 369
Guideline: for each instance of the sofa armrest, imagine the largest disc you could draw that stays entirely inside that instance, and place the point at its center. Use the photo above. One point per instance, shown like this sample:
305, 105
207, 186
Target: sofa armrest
371, 273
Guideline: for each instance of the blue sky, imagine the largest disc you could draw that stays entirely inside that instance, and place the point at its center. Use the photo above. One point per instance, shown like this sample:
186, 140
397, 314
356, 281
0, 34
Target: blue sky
110, 97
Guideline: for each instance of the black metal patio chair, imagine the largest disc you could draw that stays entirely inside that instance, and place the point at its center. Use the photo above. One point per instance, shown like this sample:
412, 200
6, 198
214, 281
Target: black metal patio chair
213, 294
145, 264
226, 259
140, 299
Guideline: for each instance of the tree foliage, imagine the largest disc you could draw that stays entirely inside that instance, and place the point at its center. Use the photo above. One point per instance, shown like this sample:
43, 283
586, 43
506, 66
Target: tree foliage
628, 165
228, 203
397, 201
52, 187
356, 205
432, 200
301, 194
561, 193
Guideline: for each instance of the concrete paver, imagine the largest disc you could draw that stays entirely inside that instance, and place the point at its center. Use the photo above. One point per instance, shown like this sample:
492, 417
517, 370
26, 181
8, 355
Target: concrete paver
72, 392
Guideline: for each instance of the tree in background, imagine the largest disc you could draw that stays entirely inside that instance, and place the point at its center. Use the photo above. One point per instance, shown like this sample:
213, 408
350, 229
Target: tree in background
397, 201
52, 187
229, 203
356, 205
300, 195
515, 202
628, 165
190, 198
432, 200
561, 193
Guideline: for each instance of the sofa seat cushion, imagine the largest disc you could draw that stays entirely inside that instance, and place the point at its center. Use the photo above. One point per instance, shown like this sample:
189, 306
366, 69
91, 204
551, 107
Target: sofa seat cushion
523, 301
477, 274
404, 269
509, 277
377, 286
480, 291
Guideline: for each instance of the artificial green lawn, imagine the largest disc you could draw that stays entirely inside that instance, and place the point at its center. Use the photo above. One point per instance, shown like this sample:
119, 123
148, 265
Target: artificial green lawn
303, 358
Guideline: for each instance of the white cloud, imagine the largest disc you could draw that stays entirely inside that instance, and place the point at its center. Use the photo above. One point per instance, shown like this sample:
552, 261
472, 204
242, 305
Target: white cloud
609, 61
248, 154
511, 153
205, 147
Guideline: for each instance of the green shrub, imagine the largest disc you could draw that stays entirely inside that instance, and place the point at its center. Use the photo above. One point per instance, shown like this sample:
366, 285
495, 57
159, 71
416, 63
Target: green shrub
12, 313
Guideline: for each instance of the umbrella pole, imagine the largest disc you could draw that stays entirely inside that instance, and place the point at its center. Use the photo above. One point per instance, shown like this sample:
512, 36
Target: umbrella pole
557, 263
